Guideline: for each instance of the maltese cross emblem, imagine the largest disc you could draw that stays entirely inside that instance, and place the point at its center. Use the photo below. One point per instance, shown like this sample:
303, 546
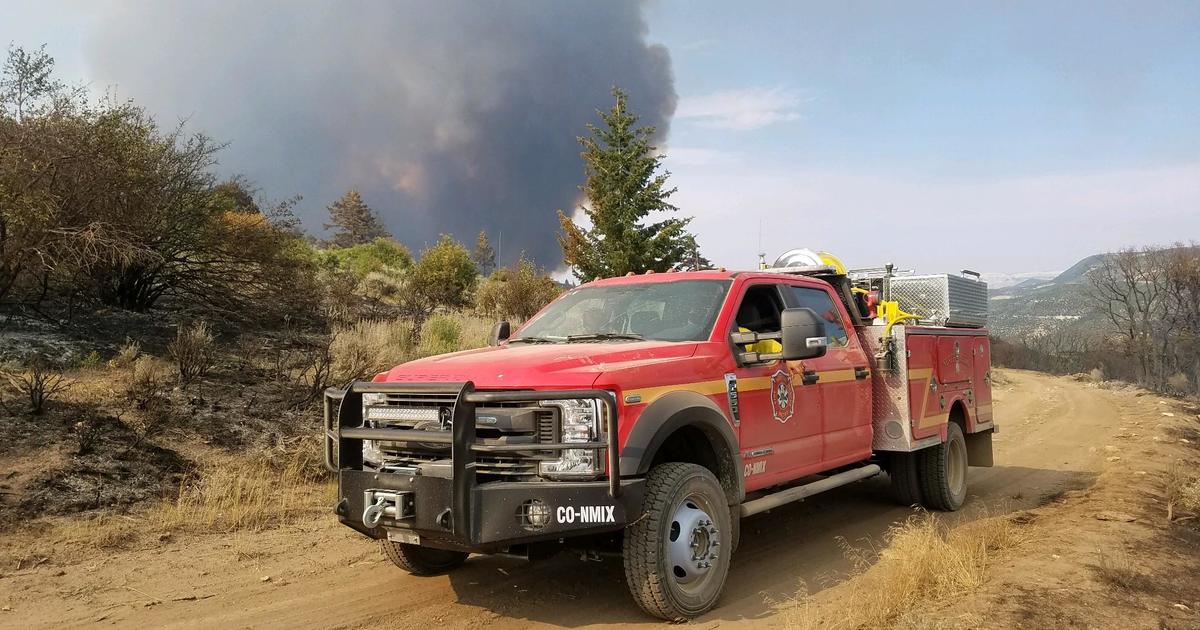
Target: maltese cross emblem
783, 405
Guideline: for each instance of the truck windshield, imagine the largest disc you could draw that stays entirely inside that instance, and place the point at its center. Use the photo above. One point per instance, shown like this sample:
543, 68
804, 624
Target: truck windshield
683, 310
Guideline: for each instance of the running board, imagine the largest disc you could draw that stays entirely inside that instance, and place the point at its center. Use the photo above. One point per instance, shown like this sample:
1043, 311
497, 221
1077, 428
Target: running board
783, 497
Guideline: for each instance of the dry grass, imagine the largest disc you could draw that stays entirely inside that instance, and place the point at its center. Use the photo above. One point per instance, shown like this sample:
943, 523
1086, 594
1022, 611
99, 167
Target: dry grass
1182, 493
67, 539
126, 354
1115, 569
475, 330
369, 346
241, 494
921, 563
224, 496
194, 351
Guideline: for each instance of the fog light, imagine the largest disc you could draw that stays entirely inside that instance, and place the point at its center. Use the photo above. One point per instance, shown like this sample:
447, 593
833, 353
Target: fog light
534, 514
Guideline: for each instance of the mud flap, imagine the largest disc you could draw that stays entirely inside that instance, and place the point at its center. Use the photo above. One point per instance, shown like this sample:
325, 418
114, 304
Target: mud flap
979, 449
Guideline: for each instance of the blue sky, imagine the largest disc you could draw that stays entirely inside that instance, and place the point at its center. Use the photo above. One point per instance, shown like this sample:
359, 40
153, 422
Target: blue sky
1005, 137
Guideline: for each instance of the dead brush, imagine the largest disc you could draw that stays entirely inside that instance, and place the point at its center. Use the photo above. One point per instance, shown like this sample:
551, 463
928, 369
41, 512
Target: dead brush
247, 494
65, 539
316, 371
369, 346
1116, 569
146, 384
921, 561
126, 355
87, 434
38, 382
1182, 494
194, 351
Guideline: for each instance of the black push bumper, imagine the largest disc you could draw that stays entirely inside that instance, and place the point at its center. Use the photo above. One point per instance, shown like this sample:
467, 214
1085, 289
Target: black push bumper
456, 511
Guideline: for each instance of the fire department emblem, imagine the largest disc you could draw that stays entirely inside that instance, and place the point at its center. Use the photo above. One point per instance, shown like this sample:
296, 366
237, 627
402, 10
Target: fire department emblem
783, 401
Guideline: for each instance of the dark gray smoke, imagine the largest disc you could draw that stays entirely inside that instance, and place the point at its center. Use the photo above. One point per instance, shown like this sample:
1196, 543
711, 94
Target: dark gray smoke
447, 116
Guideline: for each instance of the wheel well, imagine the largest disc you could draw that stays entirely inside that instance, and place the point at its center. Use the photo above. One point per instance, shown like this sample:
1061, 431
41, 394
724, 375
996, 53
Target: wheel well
693, 445
958, 415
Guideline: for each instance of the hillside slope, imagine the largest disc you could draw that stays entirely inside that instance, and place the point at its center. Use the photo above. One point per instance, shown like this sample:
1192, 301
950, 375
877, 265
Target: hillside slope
1036, 307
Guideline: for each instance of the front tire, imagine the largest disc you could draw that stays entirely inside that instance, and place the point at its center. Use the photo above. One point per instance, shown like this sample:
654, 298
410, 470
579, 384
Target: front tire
419, 560
677, 554
943, 471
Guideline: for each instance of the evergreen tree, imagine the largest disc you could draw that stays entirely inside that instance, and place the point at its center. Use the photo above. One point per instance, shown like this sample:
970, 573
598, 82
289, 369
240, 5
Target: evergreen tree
355, 221
693, 261
623, 188
484, 256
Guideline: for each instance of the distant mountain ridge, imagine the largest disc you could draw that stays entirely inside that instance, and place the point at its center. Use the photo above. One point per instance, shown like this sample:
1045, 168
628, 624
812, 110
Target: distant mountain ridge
999, 281
1036, 306
1076, 272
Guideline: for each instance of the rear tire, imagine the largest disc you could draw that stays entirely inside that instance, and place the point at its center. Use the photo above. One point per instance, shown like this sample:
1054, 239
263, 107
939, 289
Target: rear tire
677, 554
944, 471
906, 481
419, 560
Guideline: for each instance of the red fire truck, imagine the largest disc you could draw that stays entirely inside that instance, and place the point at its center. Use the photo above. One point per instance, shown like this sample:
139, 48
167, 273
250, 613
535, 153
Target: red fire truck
646, 415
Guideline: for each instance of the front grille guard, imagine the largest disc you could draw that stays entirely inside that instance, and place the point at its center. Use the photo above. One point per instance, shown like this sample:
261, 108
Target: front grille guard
346, 434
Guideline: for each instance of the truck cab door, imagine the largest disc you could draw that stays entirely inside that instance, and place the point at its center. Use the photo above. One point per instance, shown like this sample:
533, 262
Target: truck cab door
844, 379
779, 416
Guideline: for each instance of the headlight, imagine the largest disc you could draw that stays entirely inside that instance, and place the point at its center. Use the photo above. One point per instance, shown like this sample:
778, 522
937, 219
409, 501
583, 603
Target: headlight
580, 422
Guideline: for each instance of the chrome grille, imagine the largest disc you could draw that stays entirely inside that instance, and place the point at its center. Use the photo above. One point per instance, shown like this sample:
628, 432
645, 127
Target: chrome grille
406, 456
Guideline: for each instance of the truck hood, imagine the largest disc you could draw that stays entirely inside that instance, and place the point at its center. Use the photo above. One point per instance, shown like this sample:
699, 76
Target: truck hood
528, 366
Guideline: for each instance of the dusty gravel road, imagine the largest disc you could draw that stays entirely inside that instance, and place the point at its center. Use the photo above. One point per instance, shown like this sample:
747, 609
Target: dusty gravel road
317, 575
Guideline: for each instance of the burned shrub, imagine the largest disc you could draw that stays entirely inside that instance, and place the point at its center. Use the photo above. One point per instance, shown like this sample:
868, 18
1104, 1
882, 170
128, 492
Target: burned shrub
38, 382
194, 351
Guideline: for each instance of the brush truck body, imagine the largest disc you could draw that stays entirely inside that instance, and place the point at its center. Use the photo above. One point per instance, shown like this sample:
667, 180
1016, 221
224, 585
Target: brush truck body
647, 414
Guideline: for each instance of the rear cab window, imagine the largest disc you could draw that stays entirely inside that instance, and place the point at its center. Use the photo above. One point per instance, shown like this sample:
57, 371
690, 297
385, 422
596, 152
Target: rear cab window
823, 304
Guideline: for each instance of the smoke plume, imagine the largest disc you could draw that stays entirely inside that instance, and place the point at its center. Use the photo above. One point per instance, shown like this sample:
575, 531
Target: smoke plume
448, 116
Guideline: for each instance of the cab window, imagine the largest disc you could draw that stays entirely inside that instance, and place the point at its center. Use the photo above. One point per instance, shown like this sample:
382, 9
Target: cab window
822, 304
759, 312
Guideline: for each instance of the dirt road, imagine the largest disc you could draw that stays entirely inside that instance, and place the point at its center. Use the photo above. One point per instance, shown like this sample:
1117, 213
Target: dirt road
1053, 438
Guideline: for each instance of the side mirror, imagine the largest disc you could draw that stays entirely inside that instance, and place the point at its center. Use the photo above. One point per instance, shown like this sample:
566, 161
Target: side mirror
803, 334
500, 332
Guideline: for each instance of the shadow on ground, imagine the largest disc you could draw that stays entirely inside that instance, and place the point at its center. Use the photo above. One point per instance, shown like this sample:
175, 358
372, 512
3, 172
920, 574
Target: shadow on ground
794, 547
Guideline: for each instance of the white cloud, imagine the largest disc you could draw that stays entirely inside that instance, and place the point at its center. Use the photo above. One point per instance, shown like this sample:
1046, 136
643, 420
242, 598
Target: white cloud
742, 109
699, 156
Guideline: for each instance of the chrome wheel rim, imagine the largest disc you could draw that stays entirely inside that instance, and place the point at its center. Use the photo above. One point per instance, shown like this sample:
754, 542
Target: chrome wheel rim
693, 544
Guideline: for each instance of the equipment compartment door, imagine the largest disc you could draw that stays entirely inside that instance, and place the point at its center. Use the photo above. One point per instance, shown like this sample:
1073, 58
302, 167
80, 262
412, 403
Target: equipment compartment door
955, 361
982, 387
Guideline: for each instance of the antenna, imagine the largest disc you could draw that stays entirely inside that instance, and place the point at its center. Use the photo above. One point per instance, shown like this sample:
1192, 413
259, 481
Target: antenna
762, 256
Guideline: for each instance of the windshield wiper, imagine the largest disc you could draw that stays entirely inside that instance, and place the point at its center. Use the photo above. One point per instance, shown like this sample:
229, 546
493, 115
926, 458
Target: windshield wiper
604, 336
536, 340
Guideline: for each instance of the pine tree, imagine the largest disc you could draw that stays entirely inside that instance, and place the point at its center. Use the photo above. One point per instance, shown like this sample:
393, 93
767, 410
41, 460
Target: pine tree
355, 221
484, 256
623, 187
693, 261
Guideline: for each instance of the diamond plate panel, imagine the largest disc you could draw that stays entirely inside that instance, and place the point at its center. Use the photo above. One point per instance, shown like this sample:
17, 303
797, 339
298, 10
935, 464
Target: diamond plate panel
943, 299
890, 411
